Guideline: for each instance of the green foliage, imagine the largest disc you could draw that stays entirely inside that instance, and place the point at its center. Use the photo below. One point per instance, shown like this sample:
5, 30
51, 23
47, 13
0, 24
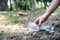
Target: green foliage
14, 18
17, 19
23, 4
26, 4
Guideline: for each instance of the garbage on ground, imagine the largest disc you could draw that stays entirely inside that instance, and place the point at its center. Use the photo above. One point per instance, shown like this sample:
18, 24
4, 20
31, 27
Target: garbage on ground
34, 27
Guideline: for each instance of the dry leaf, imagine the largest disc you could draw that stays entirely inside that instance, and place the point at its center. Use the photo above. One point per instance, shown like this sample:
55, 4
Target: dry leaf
23, 14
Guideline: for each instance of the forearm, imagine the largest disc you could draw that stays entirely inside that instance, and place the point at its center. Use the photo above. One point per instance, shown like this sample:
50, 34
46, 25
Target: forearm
52, 7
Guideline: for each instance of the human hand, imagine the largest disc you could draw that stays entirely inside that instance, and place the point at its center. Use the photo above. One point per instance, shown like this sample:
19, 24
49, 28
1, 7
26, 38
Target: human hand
40, 20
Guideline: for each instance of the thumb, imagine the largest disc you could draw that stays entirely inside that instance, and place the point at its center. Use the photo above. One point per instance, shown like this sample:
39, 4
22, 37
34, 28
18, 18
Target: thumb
39, 23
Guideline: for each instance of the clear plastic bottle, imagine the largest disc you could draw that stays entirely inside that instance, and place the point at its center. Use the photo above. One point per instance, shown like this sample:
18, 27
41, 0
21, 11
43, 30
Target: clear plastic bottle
34, 27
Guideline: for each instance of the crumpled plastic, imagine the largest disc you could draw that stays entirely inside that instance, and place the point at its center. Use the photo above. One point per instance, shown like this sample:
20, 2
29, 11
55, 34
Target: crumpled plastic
34, 27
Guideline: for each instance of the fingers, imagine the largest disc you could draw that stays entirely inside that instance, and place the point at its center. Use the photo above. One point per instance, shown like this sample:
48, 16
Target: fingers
36, 21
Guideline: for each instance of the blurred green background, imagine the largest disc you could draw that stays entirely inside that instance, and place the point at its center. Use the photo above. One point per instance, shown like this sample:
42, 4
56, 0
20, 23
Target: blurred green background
17, 5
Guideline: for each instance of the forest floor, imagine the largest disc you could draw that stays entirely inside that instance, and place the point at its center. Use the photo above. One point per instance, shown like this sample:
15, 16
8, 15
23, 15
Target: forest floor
14, 26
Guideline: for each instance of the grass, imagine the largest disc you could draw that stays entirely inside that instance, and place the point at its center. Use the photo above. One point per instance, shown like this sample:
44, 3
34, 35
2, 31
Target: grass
17, 19
23, 19
14, 18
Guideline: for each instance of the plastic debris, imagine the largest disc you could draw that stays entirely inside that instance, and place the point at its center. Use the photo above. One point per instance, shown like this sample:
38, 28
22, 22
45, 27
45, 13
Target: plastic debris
34, 27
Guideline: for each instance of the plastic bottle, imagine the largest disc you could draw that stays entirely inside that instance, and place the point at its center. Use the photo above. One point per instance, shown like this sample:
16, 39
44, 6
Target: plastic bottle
34, 27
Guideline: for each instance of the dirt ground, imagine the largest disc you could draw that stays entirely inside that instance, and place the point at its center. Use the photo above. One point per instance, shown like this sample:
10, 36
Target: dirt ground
11, 31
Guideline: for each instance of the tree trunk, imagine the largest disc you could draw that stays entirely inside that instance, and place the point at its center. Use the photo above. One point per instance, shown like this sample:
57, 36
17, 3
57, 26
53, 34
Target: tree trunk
35, 3
45, 4
18, 3
11, 5
3, 5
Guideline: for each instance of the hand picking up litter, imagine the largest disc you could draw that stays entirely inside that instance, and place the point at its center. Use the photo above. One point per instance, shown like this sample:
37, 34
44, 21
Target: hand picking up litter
37, 23
54, 5
34, 27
